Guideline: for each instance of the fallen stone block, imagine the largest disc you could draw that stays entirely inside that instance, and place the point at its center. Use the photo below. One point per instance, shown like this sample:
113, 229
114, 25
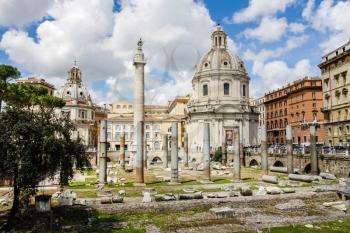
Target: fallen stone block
328, 176
228, 187
288, 190
166, 179
224, 212
303, 178
273, 190
106, 200
330, 204
342, 207
117, 199
122, 192
189, 190
211, 195
188, 196
261, 191
283, 169
65, 201
246, 191
233, 194
294, 204
342, 182
165, 197
270, 179
56, 195
146, 197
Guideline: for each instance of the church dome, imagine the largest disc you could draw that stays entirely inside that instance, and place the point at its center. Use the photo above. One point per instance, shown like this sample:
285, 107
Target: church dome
219, 57
73, 89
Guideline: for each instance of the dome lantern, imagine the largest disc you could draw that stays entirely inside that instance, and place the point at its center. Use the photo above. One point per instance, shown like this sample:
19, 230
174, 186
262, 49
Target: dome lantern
219, 38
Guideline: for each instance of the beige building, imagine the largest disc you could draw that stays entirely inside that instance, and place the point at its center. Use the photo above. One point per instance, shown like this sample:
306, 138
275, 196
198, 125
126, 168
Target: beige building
260, 107
158, 119
335, 68
38, 82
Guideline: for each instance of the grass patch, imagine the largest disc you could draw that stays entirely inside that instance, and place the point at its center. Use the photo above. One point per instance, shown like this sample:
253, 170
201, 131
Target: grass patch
124, 185
81, 185
222, 181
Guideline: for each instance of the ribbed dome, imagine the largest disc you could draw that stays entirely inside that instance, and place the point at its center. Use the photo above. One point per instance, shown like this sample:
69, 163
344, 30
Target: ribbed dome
73, 89
219, 57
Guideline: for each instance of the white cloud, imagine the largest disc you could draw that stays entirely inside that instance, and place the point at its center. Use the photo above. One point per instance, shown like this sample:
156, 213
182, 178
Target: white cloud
273, 72
21, 12
260, 8
307, 12
296, 27
330, 18
104, 42
277, 73
269, 30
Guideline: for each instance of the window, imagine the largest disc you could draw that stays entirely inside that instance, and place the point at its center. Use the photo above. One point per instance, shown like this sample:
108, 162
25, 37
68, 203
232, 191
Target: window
226, 88
244, 91
205, 89
156, 146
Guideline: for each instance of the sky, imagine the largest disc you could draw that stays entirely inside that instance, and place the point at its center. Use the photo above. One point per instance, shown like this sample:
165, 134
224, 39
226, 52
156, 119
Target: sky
279, 40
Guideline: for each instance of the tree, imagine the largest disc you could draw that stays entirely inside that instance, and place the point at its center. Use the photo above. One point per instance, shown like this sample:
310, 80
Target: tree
7, 73
35, 143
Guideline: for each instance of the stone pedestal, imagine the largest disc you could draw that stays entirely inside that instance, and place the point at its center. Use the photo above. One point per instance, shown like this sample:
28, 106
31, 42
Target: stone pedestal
103, 153
290, 165
139, 153
174, 153
237, 159
313, 153
122, 151
206, 151
264, 155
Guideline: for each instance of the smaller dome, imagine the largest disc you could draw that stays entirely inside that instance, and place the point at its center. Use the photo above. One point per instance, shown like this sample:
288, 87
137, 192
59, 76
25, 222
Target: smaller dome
73, 89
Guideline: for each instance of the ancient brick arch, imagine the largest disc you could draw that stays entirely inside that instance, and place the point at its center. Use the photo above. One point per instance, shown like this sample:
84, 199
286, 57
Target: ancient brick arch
253, 162
278, 163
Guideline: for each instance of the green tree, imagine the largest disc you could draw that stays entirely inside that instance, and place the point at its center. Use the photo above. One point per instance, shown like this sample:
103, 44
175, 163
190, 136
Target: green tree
35, 142
7, 73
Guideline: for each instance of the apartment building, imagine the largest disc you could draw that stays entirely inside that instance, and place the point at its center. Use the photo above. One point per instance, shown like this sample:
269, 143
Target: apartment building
296, 104
335, 68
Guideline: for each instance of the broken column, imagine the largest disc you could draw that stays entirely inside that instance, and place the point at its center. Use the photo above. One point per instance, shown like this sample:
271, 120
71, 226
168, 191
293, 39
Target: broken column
264, 157
290, 165
145, 153
165, 150
139, 153
122, 151
236, 160
174, 154
186, 148
313, 153
139, 100
206, 151
103, 152
223, 154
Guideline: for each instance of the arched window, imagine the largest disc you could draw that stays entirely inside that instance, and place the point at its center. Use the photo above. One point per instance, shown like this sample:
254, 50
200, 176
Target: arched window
205, 89
226, 88
156, 146
244, 91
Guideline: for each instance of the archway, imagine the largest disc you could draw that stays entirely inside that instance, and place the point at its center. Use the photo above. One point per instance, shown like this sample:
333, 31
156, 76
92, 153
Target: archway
253, 163
307, 168
278, 164
156, 159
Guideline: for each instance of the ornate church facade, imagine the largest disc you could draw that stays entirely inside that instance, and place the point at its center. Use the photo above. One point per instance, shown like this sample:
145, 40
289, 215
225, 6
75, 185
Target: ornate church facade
79, 107
220, 97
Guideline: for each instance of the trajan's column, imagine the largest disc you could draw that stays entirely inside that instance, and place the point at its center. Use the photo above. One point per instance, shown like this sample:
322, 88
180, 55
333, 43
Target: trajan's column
139, 99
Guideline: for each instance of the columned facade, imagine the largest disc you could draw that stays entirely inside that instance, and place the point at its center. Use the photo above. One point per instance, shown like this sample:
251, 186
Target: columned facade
220, 97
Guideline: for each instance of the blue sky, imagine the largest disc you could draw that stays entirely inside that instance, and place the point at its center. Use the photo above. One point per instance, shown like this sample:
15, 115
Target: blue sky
279, 40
